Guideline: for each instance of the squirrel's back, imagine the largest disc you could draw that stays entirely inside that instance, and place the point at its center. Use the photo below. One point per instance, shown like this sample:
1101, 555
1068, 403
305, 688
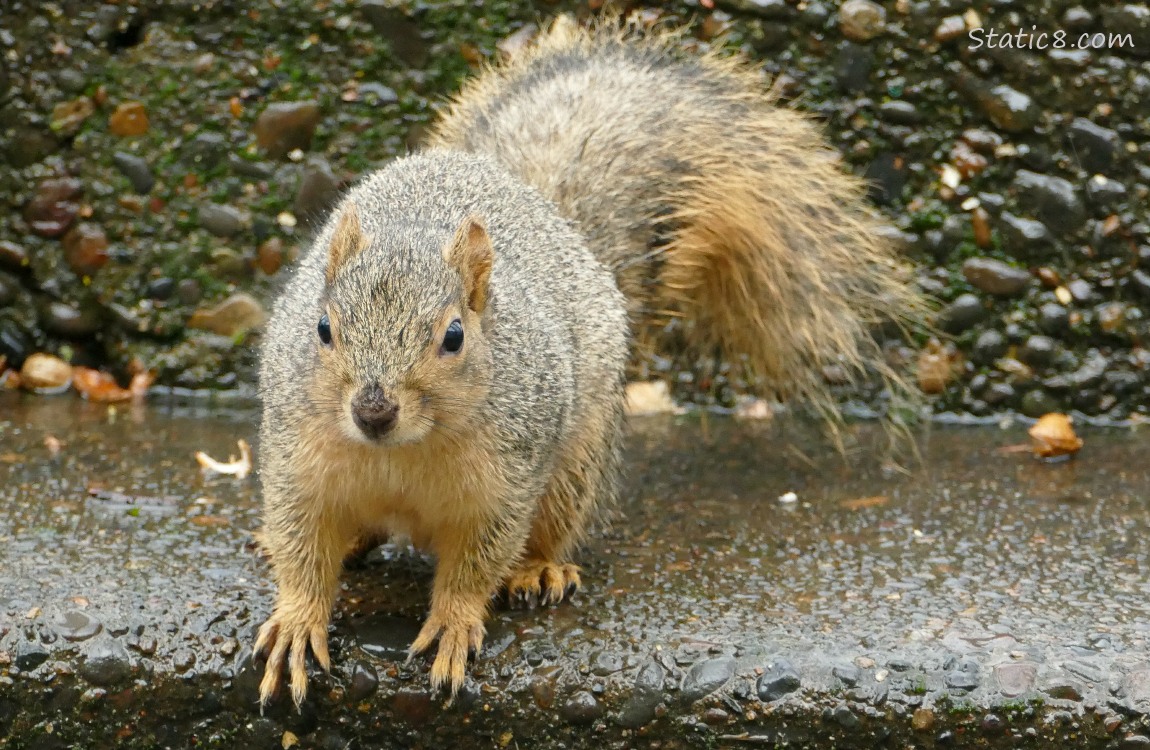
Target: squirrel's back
712, 204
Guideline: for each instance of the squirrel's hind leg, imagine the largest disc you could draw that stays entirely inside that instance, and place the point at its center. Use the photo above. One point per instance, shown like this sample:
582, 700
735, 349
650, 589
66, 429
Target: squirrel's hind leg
584, 481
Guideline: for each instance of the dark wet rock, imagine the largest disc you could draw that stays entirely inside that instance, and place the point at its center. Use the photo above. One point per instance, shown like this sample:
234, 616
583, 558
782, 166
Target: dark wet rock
847, 674
75, 625
53, 207
256, 170
1036, 403
207, 150
861, 20
845, 718
989, 346
13, 256
413, 705
86, 248
222, 220
1140, 280
897, 110
1092, 145
136, 169
318, 189
772, 10
779, 679
995, 277
30, 654
1015, 679
1054, 319
364, 681
403, 34
961, 680
581, 708
285, 126
189, 291
998, 393
9, 289
1080, 290
646, 696
706, 677
160, 289
1039, 351
377, 94
1103, 192
107, 663
1077, 18
963, 313
1128, 18
604, 663
14, 344
853, 66
886, 176
1022, 235
1007, 107
1054, 200
72, 322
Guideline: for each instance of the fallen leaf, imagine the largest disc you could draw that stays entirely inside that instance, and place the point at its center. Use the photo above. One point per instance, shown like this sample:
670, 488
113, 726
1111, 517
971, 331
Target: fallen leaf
98, 386
238, 468
865, 502
207, 520
1054, 436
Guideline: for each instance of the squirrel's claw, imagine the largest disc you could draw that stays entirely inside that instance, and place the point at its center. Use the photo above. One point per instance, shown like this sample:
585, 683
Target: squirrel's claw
537, 582
289, 642
459, 638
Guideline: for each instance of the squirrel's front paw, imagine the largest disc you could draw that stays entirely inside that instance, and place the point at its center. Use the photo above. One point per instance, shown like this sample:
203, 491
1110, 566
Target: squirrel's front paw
460, 633
541, 582
279, 636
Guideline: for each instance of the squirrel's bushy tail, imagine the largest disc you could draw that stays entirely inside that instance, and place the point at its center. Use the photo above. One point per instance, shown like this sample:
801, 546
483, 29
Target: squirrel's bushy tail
714, 205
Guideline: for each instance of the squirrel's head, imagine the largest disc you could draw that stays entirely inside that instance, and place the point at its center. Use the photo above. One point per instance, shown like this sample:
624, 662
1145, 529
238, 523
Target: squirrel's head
400, 332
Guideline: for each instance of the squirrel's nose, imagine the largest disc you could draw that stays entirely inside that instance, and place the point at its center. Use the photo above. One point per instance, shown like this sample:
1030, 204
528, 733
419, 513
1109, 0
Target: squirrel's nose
373, 412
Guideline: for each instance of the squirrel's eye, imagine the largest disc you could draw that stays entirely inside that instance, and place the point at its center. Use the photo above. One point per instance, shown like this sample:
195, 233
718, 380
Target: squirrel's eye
453, 339
324, 330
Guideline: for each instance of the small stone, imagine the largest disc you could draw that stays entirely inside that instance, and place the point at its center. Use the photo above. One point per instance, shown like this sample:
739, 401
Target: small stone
75, 625
962, 680
1127, 18
207, 149
848, 674
998, 393
45, 372
951, 27
861, 20
1080, 290
222, 220
236, 314
780, 679
160, 289
966, 160
706, 677
900, 111
773, 10
364, 681
962, 314
1054, 319
9, 289
845, 718
980, 223
412, 705
136, 169
604, 663
129, 118
715, 716
922, 720
1023, 236
377, 94
646, 696
189, 292
107, 663
67, 117
1038, 351
86, 248
65, 320
52, 208
1093, 145
318, 189
14, 345
1103, 192
543, 692
981, 140
270, 255
285, 126
582, 708
886, 176
29, 655
12, 256
1037, 403
1008, 108
1054, 200
1016, 678
989, 346
1110, 316
995, 277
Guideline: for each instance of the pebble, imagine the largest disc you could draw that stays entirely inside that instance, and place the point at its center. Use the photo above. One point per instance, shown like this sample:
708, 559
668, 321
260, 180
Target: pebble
949, 28
207, 150
285, 126
646, 696
29, 655
778, 680
1007, 107
14, 345
1140, 280
67, 117
1022, 236
1128, 18
160, 289
65, 320
318, 190
900, 111
1039, 351
848, 674
136, 169
1036, 403
995, 277
989, 346
1103, 192
861, 20
45, 372
1093, 146
403, 35
960, 680
9, 289
379, 95
270, 255
86, 248
13, 256
128, 119
706, 677
581, 708
239, 312
605, 663
1054, 319
364, 681
53, 207
853, 66
222, 220
845, 718
1080, 290
107, 663
922, 720
1016, 678
76, 626
1052, 199
413, 705
963, 313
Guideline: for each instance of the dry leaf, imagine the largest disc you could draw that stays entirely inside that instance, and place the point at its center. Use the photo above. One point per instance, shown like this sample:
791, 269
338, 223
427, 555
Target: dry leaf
206, 520
1054, 436
864, 502
239, 468
98, 386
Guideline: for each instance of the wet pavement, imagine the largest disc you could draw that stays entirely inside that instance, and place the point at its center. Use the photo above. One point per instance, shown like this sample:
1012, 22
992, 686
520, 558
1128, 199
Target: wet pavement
979, 599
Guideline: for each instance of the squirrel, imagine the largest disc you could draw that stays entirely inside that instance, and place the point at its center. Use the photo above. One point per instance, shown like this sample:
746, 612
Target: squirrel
448, 361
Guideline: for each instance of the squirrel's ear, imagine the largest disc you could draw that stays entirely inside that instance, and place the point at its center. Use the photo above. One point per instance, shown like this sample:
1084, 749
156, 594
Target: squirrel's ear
347, 240
470, 252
